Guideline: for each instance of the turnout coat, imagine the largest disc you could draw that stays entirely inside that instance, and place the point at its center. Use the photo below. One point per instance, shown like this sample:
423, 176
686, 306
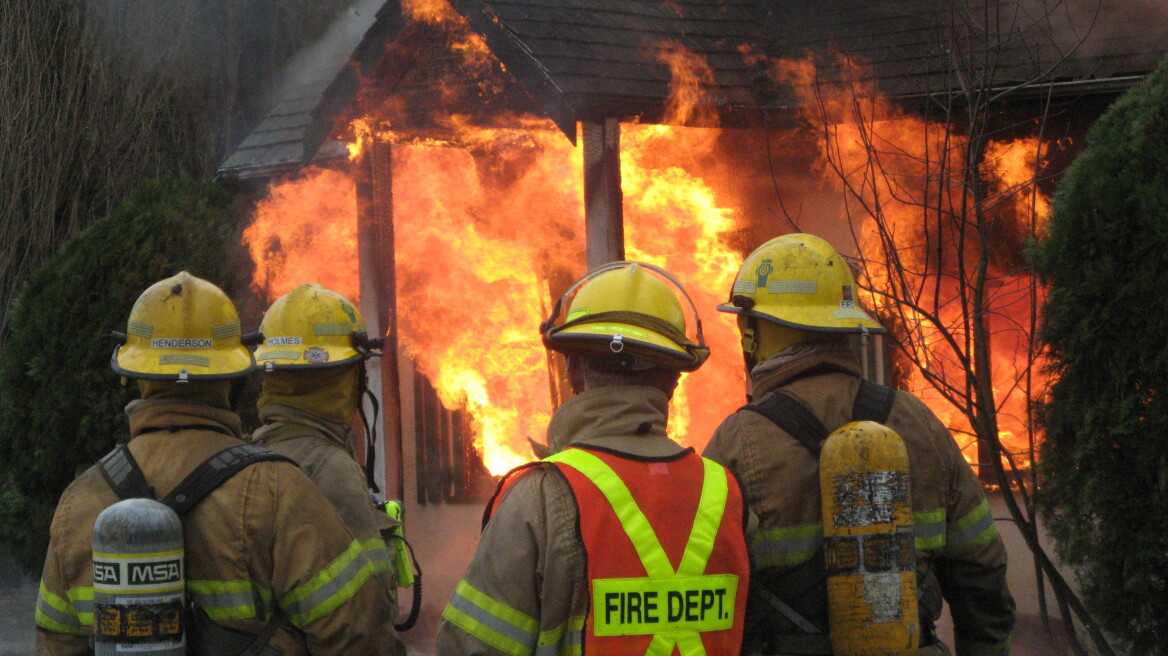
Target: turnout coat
266, 538
958, 550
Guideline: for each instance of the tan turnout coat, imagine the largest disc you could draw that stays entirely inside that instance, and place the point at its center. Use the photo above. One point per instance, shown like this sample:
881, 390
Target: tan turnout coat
957, 543
324, 452
266, 537
528, 583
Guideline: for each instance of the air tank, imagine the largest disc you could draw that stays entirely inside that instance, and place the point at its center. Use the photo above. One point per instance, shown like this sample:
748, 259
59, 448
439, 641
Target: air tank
868, 542
138, 580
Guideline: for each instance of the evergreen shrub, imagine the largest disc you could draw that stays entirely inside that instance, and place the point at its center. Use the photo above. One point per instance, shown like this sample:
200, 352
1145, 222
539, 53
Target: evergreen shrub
1104, 461
62, 405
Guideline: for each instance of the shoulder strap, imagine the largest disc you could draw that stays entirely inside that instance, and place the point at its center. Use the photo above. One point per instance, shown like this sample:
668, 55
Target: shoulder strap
504, 482
124, 475
793, 417
873, 402
215, 471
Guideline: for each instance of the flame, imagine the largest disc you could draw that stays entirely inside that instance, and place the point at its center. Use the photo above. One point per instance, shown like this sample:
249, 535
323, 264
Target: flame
901, 175
488, 224
690, 75
481, 226
433, 12
306, 231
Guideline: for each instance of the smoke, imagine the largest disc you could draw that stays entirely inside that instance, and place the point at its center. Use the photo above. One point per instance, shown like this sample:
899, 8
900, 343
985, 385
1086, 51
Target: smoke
214, 57
1093, 29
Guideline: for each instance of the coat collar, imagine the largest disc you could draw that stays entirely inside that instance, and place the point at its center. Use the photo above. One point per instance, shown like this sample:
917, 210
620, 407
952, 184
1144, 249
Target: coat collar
801, 360
276, 416
153, 415
609, 412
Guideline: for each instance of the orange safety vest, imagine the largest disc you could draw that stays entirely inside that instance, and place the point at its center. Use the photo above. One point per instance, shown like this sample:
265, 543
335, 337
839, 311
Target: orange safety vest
668, 569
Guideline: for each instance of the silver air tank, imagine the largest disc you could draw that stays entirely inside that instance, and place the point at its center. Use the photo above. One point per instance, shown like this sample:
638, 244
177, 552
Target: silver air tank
138, 582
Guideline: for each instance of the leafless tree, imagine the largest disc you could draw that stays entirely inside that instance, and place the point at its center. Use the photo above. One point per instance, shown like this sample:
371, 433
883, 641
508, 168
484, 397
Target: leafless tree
102, 94
72, 140
952, 280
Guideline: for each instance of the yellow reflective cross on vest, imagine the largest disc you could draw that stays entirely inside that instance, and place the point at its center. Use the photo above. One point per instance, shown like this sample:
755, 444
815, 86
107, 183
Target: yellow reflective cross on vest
636, 591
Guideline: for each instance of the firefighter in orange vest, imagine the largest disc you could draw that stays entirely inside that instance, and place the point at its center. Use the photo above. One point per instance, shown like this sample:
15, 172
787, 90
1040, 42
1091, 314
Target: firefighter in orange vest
258, 576
621, 541
796, 302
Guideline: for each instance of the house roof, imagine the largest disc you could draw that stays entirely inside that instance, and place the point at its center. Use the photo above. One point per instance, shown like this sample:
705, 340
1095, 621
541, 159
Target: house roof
315, 86
593, 59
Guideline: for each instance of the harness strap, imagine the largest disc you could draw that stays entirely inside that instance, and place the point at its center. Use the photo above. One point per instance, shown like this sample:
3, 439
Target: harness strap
873, 402
121, 471
786, 611
215, 471
793, 417
125, 476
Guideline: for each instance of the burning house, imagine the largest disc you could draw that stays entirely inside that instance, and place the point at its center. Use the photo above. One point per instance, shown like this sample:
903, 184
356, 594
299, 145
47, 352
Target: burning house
455, 166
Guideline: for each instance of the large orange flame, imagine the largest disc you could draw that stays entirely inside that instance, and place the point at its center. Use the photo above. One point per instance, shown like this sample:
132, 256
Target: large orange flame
909, 197
306, 230
488, 228
484, 222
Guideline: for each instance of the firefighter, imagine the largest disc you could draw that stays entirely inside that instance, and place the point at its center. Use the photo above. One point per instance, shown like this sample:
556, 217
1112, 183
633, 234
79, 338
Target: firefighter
256, 571
795, 298
313, 352
621, 541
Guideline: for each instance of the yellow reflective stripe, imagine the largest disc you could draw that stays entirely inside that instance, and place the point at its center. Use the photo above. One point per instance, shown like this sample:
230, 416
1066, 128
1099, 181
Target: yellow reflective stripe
492, 622
688, 644
973, 530
377, 552
566, 639
786, 546
661, 645
82, 600
56, 614
929, 529
789, 546
232, 600
634, 522
332, 587
711, 507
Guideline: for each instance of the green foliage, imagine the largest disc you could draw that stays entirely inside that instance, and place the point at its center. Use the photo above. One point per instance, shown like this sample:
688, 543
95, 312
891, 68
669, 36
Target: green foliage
1105, 456
62, 406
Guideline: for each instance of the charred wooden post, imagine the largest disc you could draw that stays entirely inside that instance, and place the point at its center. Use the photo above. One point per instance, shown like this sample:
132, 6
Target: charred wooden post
603, 200
375, 251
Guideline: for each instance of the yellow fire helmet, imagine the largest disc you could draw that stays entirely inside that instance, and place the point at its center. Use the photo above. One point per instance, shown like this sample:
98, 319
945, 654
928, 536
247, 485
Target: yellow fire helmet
182, 328
313, 326
628, 307
799, 280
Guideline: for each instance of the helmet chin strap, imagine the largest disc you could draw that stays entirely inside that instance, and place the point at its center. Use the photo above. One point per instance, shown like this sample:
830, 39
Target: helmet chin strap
370, 427
750, 344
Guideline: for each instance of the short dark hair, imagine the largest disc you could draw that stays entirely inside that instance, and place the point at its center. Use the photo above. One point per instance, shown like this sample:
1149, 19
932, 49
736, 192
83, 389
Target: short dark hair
609, 371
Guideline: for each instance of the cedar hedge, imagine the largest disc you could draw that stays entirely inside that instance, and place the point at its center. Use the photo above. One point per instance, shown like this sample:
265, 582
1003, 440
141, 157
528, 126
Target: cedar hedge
1104, 461
62, 404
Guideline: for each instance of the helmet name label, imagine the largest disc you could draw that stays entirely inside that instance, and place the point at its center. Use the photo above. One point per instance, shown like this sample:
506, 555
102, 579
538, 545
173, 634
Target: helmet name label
645, 606
180, 343
283, 341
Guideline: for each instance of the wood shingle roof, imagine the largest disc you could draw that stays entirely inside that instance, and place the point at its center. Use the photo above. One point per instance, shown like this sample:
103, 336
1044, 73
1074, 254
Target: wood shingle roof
594, 59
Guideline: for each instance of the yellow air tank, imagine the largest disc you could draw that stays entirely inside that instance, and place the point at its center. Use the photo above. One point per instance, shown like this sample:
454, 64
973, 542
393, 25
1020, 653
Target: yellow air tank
868, 542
